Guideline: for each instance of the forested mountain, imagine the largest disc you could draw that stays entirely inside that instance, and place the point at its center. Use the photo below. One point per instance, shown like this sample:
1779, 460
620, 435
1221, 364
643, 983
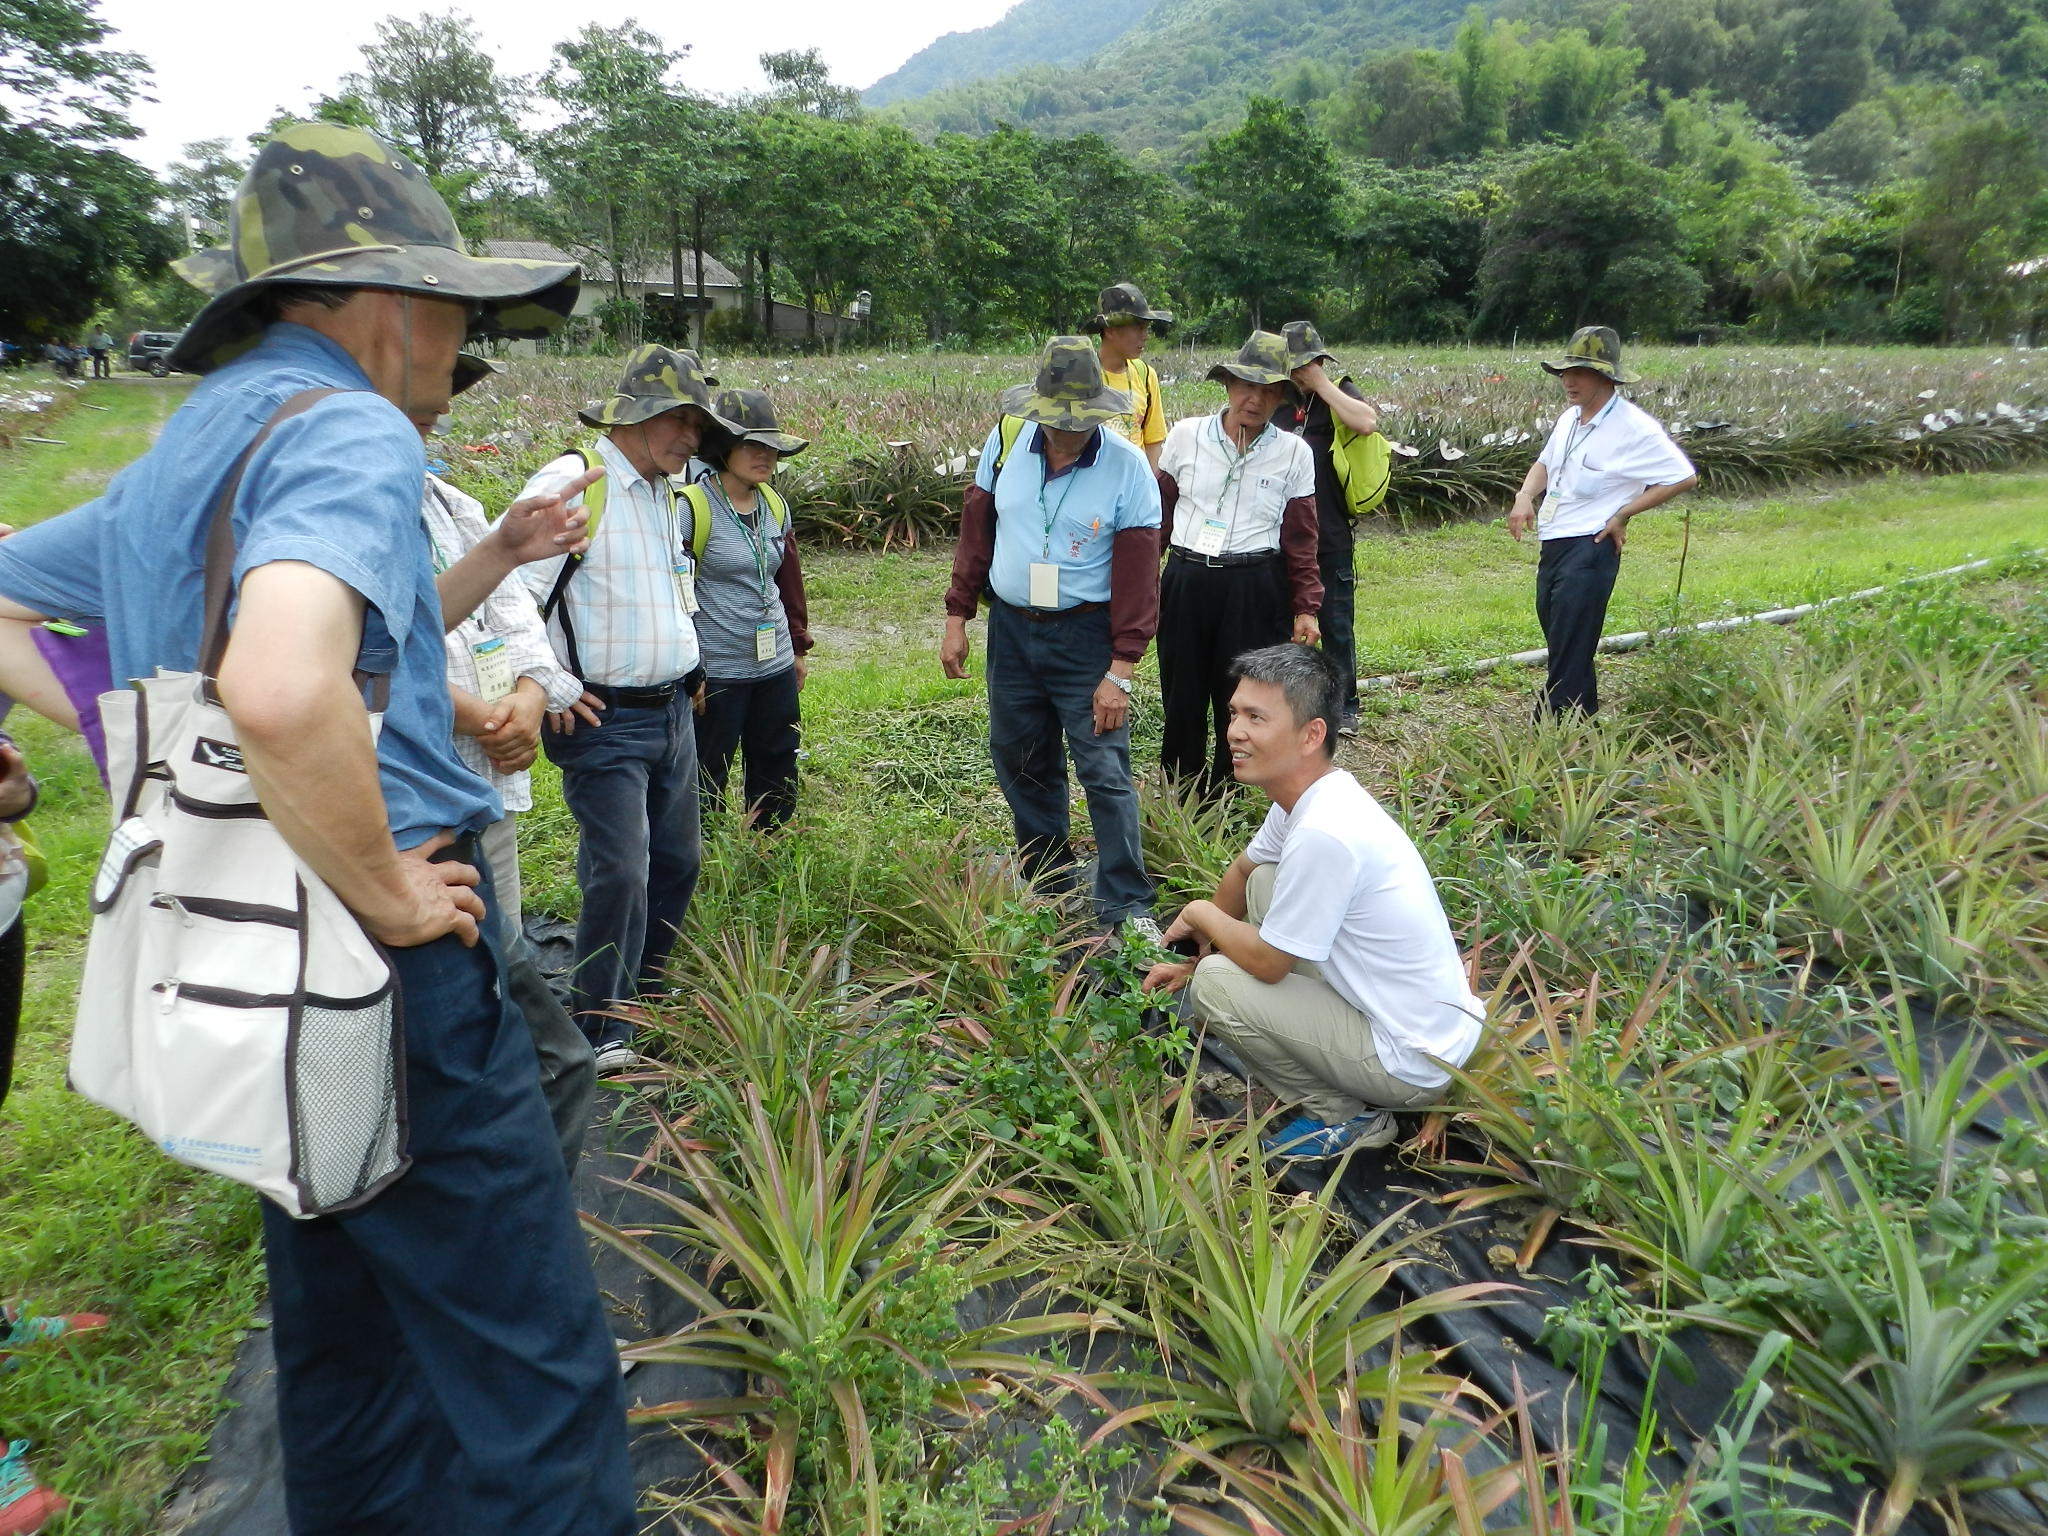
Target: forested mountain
1035, 32
1185, 67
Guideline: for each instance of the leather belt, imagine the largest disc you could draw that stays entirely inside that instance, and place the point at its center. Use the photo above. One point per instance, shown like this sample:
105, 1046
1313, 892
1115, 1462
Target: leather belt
1047, 615
654, 696
1247, 557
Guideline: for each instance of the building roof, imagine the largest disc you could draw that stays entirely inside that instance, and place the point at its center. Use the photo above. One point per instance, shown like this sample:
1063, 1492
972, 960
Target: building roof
653, 274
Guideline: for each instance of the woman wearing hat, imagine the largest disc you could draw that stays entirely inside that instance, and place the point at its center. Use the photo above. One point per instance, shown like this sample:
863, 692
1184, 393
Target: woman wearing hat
752, 615
1241, 558
1607, 460
1060, 532
1124, 321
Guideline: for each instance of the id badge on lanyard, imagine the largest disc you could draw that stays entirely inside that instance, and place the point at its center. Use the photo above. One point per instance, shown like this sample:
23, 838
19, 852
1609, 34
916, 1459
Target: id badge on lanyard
1211, 536
686, 584
494, 677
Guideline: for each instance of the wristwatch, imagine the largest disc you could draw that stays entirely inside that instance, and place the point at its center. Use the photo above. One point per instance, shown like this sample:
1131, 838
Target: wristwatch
1123, 683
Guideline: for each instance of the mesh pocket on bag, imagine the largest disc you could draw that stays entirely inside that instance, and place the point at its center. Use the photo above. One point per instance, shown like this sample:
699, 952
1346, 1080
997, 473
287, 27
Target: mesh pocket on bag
347, 1100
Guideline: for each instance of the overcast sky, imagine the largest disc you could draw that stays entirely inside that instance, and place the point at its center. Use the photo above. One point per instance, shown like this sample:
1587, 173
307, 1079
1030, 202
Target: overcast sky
223, 67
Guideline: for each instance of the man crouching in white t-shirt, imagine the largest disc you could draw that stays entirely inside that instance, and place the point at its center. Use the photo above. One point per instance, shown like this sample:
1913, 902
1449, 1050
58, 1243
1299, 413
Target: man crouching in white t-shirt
1326, 961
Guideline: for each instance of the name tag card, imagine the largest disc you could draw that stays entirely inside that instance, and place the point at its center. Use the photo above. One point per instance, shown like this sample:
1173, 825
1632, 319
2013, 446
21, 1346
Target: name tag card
764, 642
686, 585
1210, 536
494, 677
1045, 584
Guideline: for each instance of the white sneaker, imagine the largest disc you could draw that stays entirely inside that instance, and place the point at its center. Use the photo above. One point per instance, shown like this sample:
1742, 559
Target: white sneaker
1143, 927
616, 1058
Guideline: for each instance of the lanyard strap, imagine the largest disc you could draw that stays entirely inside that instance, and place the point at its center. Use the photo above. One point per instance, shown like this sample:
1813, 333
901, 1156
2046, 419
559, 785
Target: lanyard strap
1234, 462
756, 536
1051, 515
1575, 437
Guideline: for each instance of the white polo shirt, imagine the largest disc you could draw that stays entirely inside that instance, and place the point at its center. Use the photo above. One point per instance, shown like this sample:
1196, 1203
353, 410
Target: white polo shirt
1246, 492
1352, 894
1601, 465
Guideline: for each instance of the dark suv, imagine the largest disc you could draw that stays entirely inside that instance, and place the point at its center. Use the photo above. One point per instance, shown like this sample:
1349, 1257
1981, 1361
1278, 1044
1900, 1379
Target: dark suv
151, 350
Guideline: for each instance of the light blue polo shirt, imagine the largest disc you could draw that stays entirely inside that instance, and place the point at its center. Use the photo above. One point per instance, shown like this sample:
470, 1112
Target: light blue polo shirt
337, 487
1110, 488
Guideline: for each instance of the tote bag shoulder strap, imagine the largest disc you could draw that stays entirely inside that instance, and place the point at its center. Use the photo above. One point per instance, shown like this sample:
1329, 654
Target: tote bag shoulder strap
220, 534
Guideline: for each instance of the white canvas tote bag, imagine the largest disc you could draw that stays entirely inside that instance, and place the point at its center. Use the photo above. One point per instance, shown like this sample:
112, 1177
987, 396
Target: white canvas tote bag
231, 1007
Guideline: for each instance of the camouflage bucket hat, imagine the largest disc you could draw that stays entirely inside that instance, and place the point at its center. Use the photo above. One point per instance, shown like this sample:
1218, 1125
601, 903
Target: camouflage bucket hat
1305, 345
1122, 304
1596, 347
329, 205
1068, 395
656, 379
213, 271
1261, 360
753, 413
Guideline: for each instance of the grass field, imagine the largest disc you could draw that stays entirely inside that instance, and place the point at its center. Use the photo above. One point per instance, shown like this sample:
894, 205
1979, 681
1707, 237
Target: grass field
90, 1218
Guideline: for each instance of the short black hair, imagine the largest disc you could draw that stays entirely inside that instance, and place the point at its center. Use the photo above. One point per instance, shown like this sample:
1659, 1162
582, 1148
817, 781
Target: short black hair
1311, 682
271, 304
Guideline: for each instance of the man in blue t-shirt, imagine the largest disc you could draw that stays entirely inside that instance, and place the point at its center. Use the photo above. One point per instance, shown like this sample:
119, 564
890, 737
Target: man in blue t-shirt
1061, 530
443, 1357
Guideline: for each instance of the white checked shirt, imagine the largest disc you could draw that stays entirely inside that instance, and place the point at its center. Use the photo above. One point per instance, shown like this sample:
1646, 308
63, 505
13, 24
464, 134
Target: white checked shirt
624, 604
455, 525
1248, 492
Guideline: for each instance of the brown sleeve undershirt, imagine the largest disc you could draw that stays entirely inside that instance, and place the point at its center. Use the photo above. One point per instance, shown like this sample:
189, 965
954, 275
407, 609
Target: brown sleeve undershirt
1169, 498
1298, 543
973, 554
796, 607
1133, 592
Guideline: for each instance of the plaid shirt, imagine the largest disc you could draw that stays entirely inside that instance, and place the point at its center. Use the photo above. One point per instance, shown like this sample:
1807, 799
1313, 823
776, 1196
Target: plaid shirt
455, 525
624, 606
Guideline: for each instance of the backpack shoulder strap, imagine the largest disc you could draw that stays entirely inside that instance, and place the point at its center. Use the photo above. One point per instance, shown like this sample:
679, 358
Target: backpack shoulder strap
1141, 385
777, 507
593, 503
1010, 428
699, 502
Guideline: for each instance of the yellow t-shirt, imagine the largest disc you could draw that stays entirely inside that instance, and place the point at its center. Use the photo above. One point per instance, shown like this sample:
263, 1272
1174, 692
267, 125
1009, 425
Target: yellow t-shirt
1147, 420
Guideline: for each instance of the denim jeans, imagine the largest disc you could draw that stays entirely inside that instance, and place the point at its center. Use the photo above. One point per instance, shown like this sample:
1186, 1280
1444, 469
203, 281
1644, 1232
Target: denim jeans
1042, 676
631, 784
568, 1066
444, 1363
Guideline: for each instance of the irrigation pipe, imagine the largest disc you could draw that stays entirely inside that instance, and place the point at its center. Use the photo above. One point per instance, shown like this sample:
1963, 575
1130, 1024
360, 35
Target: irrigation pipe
1643, 637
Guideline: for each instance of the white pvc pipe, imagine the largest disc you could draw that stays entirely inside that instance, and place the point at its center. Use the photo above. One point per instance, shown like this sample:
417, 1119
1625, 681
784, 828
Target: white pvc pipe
1643, 637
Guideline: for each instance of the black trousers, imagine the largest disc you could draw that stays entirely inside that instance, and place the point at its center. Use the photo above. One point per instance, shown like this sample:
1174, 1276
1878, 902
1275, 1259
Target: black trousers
1208, 616
1337, 560
758, 717
1574, 579
13, 967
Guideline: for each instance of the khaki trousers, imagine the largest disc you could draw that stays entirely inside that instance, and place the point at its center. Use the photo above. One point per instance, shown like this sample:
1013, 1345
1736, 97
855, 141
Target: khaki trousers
1300, 1039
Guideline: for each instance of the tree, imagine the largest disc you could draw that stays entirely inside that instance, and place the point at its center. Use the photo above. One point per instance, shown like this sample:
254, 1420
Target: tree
73, 210
1585, 236
1829, 50
430, 86
203, 183
1264, 227
602, 164
1977, 209
847, 205
1734, 193
802, 82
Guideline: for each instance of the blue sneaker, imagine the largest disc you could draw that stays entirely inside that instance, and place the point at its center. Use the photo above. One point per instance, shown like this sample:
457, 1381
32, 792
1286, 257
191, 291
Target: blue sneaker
1306, 1139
